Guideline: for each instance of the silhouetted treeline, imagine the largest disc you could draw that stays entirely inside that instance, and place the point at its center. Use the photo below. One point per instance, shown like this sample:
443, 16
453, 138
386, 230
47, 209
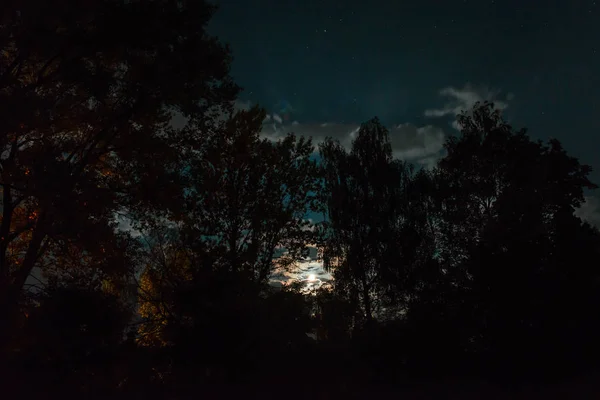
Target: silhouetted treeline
121, 112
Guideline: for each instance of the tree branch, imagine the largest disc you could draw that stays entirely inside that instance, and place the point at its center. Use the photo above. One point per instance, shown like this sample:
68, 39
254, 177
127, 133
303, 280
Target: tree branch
31, 255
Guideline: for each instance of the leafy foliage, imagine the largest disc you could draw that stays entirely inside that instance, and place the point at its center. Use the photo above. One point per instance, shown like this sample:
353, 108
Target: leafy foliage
506, 219
477, 267
366, 197
249, 197
87, 107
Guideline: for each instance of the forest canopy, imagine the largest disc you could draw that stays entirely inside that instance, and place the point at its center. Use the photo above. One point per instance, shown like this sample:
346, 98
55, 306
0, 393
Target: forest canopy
476, 267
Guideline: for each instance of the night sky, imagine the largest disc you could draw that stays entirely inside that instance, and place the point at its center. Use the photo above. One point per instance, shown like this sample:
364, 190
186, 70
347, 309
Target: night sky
321, 67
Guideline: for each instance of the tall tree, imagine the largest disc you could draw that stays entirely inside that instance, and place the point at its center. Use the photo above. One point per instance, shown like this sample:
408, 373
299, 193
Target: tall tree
512, 243
361, 199
88, 91
193, 307
168, 267
249, 197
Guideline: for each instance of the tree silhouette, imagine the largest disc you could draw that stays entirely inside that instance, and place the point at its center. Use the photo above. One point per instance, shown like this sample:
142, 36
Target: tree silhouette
87, 104
334, 317
249, 198
478, 267
69, 340
204, 289
168, 267
366, 238
512, 246
229, 325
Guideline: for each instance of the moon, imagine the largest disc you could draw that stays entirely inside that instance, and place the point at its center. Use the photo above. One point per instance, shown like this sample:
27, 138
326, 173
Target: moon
312, 278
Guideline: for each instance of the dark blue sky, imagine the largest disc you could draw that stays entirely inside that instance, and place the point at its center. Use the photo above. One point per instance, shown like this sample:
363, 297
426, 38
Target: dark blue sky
346, 61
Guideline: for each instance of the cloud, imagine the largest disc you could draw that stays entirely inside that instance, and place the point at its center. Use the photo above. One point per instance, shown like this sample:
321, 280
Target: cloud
125, 224
590, 211
311, 227
420, 144
463, 100
300, 273
409, 142
275, 130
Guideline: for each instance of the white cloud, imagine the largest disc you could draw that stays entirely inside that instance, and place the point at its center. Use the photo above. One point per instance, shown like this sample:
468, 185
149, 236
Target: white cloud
311, 227
317, 131
590, 211
463, 100
125, 224
301, 272
417, 143
409, 142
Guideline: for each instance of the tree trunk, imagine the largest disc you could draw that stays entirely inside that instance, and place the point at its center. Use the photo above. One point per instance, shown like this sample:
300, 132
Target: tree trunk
367, 303
7, 212
13, 286
366, 297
